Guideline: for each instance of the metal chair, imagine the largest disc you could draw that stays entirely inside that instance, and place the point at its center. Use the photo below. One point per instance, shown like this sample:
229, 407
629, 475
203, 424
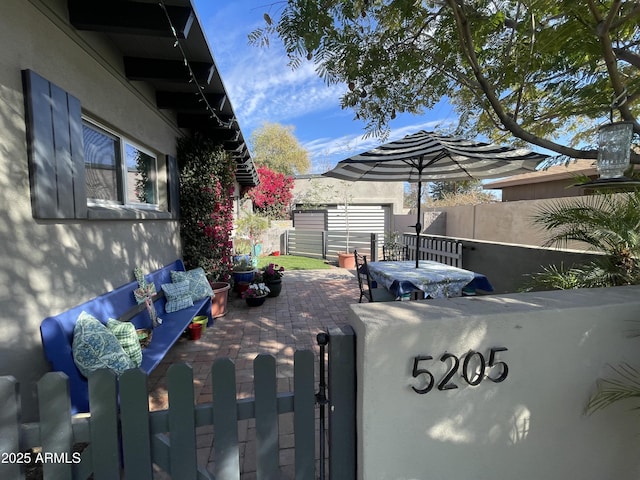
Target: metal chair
394, 254
364, 282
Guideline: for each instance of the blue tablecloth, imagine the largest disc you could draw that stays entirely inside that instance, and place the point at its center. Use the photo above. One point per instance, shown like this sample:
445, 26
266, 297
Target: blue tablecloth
435, 279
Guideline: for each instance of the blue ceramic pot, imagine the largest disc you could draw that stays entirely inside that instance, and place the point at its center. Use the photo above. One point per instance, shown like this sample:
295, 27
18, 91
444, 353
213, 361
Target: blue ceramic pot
243, 277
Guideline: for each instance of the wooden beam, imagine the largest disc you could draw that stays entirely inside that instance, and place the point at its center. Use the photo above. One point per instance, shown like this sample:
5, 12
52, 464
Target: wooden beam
236, 148
130, 17
181, 101
137, 68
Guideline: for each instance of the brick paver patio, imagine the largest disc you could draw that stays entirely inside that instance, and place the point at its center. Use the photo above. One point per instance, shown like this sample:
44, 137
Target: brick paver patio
310, 302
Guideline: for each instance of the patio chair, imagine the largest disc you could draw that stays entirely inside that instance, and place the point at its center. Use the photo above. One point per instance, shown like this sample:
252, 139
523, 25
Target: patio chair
394, 254
365, 283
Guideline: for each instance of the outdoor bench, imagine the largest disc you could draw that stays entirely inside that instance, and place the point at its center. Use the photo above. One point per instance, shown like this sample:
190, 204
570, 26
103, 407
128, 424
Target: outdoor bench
120, 304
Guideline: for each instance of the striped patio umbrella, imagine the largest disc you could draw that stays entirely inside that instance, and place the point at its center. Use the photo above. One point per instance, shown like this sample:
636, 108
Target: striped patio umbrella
428, 156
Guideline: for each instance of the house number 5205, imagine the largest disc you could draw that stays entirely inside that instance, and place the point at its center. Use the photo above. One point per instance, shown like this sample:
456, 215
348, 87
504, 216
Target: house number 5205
474, 369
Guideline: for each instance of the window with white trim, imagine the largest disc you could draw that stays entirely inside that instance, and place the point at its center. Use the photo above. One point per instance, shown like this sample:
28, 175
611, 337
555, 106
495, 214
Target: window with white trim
117, 170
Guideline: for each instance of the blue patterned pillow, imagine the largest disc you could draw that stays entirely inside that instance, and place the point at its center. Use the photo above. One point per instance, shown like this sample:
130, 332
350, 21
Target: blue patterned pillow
199, 286
95, 347
178, 296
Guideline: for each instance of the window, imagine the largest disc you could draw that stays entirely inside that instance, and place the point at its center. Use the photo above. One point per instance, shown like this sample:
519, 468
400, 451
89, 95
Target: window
116, 170
81, 170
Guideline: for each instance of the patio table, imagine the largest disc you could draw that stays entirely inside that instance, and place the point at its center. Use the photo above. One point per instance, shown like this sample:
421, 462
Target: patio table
435, 279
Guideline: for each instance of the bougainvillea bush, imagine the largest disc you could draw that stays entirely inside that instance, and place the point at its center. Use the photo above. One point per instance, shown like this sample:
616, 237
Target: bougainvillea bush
272, 197
207, 175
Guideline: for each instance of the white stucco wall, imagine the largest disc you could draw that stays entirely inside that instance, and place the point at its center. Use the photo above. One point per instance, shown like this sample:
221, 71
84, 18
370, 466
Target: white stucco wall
48, 266
529, 427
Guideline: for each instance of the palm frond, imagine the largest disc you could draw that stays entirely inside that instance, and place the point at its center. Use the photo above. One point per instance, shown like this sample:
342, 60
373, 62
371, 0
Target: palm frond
606, 222
625, 385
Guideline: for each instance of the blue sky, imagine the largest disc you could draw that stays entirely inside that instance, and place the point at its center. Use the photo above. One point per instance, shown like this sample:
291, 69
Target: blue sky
262, 87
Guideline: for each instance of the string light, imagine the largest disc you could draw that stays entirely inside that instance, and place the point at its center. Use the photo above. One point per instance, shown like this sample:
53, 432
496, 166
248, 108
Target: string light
192, 76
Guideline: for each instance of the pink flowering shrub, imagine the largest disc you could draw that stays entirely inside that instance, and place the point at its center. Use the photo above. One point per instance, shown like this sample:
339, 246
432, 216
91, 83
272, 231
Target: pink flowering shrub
272, 197
207, 176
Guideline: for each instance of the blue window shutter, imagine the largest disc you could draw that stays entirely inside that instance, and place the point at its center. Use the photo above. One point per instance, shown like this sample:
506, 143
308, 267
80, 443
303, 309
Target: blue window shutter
55, 150
173, 177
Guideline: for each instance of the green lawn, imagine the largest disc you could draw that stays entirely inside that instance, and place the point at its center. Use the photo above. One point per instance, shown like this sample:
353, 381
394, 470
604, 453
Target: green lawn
292, 262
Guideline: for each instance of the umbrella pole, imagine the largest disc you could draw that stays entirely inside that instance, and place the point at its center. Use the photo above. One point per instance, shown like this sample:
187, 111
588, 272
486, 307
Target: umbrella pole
418, 224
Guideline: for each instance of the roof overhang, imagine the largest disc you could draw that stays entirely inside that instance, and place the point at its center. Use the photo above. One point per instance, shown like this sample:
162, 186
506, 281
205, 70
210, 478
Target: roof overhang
180, 68
552, 174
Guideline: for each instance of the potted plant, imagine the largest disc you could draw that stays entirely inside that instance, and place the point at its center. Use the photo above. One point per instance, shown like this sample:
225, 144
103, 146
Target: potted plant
243, 271
272, 277
219, 298
256, 294
252, 226
242, 249
346, 258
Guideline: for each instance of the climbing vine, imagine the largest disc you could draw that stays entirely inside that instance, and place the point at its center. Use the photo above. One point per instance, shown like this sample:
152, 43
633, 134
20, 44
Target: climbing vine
207, 175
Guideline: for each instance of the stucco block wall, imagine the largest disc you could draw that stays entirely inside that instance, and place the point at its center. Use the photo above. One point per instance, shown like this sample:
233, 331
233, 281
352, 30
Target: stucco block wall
49, 266
507, 222
532, 425
509, 266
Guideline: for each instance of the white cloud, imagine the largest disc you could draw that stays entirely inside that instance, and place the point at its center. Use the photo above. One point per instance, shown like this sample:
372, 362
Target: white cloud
259, 81
262, 87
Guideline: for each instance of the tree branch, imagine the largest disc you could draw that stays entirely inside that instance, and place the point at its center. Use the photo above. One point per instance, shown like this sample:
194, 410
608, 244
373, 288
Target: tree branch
602, 31
635, 11
627, 56
468, 49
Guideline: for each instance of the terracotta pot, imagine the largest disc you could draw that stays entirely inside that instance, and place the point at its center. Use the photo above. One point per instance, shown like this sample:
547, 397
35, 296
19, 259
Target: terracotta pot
346, 260
241, 287
219, 300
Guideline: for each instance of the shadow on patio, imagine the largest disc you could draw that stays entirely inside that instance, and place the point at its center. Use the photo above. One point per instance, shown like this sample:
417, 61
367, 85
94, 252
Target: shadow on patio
311, 301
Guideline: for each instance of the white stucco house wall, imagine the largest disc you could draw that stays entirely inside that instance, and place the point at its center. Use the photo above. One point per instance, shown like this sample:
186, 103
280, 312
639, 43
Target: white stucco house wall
80, 83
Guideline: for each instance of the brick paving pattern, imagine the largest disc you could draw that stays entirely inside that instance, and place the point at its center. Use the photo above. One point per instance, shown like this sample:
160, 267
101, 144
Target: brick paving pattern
310, 302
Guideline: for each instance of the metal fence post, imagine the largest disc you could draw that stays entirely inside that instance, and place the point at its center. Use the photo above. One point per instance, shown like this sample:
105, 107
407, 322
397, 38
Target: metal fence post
342, 403
324, 244
285, 242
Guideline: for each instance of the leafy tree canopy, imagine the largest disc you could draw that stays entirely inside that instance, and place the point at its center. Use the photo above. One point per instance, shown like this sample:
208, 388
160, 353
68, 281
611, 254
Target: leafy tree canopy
438, 190
275, 147
546, 72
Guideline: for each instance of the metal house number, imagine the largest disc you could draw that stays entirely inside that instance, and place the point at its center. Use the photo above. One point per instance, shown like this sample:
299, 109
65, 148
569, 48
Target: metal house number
474, 369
